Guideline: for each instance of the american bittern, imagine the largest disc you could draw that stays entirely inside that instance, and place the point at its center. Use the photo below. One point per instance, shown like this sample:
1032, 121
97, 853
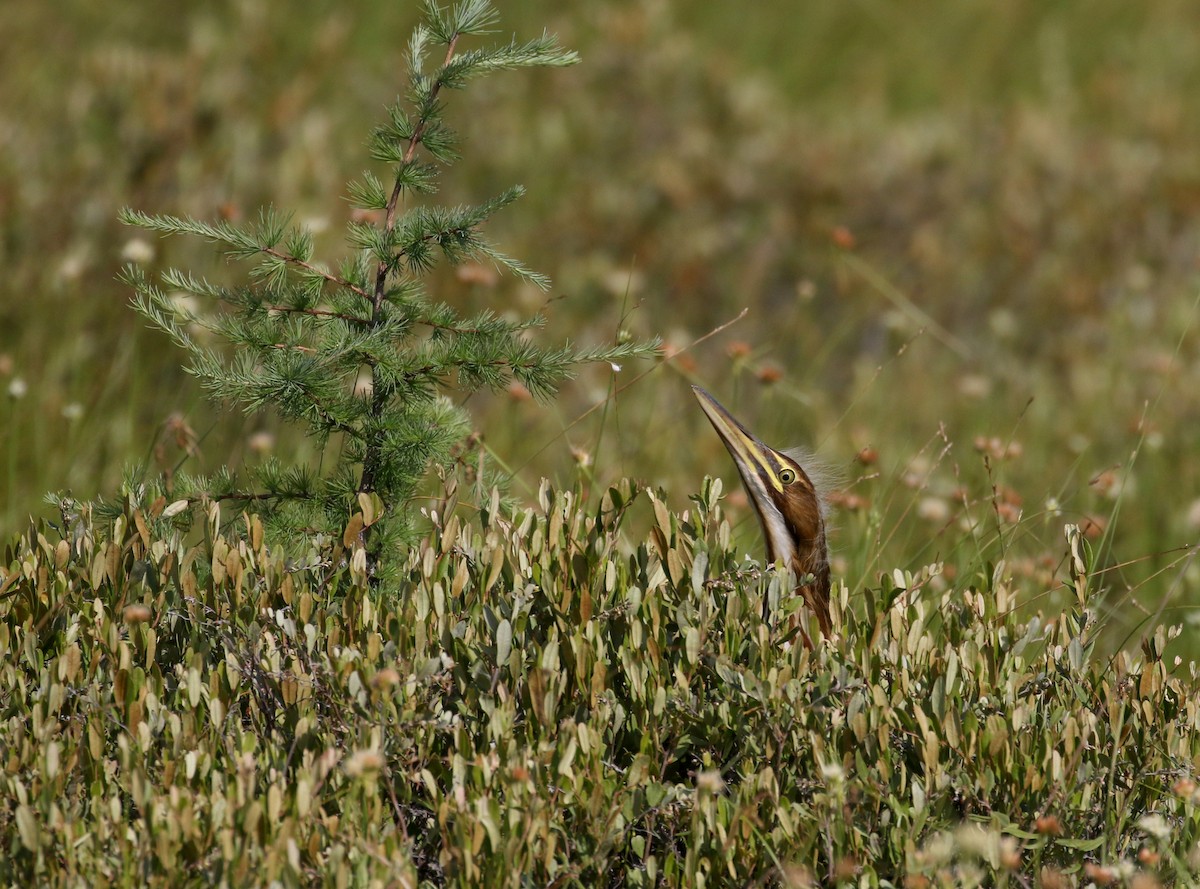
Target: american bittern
788, 506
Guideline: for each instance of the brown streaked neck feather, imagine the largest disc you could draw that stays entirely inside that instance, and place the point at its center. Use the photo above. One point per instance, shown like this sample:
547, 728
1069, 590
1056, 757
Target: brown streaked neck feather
808, 555
788, 504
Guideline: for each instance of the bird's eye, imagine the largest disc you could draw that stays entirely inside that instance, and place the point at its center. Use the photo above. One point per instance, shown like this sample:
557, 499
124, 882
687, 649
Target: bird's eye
787, 476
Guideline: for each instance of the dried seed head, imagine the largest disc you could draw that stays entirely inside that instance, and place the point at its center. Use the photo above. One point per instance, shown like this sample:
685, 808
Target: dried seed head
136, 614
385, 678
363, 762
1048, 825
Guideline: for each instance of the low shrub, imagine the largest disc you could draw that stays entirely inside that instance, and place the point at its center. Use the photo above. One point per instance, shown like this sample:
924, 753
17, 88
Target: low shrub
553, 703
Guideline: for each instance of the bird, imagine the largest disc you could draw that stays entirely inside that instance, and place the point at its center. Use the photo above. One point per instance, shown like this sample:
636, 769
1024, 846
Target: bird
789, 506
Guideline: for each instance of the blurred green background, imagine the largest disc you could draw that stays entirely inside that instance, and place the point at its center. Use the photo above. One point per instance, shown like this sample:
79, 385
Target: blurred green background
967, 237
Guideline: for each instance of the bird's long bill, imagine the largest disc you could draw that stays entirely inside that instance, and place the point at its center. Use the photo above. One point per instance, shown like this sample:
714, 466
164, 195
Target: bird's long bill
746, 450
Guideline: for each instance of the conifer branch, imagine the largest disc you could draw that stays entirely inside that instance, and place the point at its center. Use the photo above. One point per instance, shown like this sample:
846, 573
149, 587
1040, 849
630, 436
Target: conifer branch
317, 313
257, 495
328, 276
333, 423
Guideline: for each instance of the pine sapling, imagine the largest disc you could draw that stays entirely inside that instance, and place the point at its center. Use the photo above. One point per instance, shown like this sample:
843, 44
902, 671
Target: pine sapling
304, 335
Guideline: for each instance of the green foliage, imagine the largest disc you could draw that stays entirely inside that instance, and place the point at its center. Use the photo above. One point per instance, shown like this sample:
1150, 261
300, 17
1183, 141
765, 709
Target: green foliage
303, 336
552, 704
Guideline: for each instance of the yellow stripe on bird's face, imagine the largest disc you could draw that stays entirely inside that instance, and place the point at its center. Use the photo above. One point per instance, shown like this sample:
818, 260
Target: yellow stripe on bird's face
752, 456
787, 503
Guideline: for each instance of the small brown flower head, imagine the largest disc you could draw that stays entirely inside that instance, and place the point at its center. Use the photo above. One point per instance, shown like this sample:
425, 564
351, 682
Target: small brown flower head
846, 868
261, 442
1100, 875
1105, 482
138, 251
1008, 513
477, 273
385, 678
672, 352
768, 374
848, 501
868, 456
843, 238
363, 762
934, 509
1052, 878
1010, 853
974, 386
998, 449
1093, 526
176, 426
517, 392
1048, 825
737, 349
1009, 495
136, 614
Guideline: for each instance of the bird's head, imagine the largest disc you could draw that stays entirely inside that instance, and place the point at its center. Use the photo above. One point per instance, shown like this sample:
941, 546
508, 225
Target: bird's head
788, 504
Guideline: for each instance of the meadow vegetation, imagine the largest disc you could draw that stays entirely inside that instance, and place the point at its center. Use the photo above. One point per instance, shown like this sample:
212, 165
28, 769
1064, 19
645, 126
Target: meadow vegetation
549, 704
968, 256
